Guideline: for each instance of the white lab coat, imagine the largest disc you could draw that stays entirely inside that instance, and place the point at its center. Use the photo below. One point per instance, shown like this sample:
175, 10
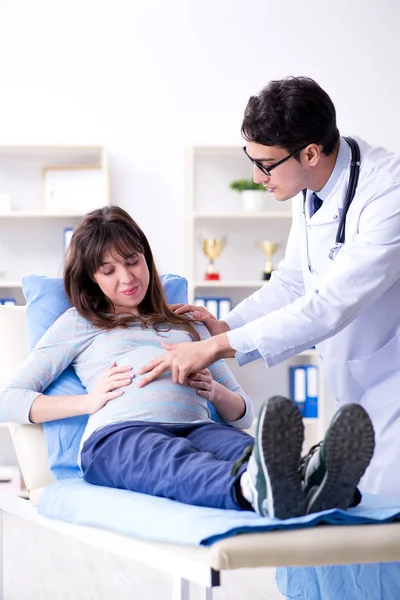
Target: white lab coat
349, 307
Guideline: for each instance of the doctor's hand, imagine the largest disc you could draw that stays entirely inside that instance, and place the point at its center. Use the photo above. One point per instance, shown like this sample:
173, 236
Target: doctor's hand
181, 359
200, 313
186, 358
108, 387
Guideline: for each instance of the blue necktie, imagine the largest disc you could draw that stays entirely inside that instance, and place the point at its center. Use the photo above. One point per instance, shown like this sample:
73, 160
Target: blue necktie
316, 202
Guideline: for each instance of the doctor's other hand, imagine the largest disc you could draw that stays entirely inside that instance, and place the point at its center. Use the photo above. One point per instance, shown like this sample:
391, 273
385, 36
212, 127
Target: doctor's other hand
108, 387
181, 359
204, 384
200, 313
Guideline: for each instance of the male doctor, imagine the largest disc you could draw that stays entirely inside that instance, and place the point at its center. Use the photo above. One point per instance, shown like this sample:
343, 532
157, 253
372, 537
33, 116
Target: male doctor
338, 287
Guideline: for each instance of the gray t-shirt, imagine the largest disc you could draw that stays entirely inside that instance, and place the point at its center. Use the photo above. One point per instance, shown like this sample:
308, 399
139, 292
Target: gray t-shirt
72, 340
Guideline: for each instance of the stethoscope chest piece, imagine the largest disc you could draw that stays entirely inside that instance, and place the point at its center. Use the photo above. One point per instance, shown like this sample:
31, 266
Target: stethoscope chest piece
333, 251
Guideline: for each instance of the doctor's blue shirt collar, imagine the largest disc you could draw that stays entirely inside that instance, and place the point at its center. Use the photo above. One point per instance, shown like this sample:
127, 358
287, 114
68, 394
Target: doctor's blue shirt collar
341, 163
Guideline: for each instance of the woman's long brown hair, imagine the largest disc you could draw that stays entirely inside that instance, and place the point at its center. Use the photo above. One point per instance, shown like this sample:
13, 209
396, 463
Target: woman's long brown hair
112, 229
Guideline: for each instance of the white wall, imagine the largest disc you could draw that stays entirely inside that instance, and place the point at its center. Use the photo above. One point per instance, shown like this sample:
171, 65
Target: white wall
147, 78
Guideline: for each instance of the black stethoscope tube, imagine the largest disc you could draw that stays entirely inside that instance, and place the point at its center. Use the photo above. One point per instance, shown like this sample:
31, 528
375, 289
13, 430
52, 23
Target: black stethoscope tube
351, 192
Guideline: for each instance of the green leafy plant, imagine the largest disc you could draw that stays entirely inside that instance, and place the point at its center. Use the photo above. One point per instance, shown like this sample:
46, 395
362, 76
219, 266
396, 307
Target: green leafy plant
246, 184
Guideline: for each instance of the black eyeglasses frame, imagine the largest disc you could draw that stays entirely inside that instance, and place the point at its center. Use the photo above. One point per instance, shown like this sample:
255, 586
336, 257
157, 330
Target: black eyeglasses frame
267, 170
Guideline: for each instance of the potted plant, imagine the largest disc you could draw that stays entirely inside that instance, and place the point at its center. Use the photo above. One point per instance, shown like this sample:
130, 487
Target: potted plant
254, 195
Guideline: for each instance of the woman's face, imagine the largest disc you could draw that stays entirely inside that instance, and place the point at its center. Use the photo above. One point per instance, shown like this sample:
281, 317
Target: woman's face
124, 281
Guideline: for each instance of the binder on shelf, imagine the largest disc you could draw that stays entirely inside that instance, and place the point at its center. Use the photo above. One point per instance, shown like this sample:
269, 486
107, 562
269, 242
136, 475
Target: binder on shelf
219, 307
225, 307
200, 302
311, 405
298, 386
68, 231
212, 306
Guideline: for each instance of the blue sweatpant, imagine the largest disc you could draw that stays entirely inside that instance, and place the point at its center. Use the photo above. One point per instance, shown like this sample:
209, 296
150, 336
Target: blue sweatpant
188, 463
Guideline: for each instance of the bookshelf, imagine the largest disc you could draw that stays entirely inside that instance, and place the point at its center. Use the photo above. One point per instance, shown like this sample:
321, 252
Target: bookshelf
32, 233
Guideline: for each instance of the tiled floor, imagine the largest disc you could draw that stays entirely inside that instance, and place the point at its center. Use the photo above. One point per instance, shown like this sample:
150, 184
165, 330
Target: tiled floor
43, 565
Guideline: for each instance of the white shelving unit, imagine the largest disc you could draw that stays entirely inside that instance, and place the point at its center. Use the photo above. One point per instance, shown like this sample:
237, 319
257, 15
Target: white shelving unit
4, 283
213, 210
244, 216
32, 237
39, 214
227, 284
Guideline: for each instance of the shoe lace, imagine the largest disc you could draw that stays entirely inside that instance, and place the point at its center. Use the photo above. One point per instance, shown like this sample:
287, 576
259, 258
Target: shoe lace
244, 458
307, 457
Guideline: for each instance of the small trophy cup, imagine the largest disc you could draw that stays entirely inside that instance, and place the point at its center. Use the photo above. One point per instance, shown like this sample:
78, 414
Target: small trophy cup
212, 248
268, 248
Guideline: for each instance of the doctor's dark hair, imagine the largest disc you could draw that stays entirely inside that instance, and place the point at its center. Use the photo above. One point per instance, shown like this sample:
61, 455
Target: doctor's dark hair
291, 113
112, 230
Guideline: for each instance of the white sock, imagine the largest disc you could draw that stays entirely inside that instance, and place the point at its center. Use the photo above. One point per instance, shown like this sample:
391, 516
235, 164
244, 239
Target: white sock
246, 487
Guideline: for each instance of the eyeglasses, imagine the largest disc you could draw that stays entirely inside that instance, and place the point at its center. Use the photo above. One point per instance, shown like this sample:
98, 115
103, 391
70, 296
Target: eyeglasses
267, 170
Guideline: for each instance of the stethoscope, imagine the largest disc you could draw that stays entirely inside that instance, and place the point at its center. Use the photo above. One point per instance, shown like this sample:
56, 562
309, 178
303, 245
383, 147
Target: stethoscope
351, 192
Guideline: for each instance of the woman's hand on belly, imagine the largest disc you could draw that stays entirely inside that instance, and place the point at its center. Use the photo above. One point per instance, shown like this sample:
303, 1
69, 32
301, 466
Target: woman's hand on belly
109, 387
229, 405
204, 384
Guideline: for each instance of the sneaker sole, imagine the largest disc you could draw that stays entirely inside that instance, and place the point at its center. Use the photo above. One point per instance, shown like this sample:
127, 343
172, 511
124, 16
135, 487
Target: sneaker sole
349, 447
280, 439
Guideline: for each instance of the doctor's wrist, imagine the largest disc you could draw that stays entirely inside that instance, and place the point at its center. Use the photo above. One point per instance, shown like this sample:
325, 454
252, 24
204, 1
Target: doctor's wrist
220, 347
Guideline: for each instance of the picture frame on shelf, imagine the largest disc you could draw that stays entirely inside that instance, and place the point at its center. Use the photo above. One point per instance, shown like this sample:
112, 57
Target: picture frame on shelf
74, 188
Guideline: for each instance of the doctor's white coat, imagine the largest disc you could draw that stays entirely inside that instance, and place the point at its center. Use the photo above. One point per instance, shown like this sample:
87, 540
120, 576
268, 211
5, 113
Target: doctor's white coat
349, 307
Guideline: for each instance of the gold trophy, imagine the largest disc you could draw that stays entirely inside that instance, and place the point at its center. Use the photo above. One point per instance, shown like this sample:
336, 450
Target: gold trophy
212, 248
268, 248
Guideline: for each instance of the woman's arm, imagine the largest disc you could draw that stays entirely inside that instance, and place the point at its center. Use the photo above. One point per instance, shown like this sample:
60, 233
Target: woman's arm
22, 400
219, 387
50, 408
231, 406
53, 353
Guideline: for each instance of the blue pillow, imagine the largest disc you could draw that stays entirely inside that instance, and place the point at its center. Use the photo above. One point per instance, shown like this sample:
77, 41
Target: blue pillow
46, 301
